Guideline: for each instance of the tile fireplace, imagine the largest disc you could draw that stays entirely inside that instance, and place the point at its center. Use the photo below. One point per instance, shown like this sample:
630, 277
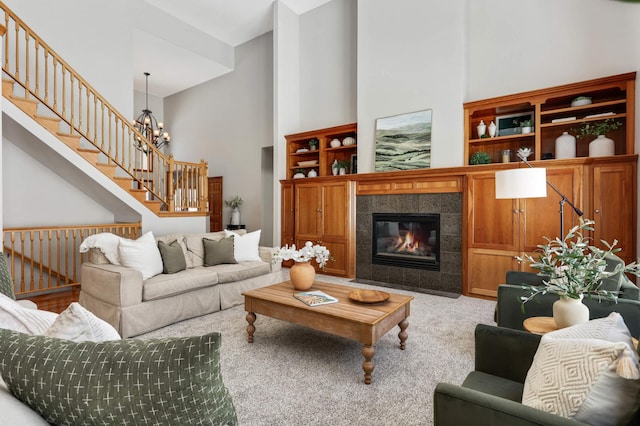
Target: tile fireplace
437, 266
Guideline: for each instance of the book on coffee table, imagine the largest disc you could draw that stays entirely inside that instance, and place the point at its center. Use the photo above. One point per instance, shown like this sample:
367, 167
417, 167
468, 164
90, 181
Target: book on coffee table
315, 298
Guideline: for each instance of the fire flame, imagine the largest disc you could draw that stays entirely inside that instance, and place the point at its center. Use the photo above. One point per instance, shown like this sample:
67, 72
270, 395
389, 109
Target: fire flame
407, 245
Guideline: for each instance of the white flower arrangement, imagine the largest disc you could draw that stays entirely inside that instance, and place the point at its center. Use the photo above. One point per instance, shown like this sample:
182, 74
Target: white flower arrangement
305, 254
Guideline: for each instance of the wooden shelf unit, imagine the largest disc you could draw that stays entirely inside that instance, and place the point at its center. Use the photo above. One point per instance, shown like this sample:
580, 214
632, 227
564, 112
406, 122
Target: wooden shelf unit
324, 155
613, 95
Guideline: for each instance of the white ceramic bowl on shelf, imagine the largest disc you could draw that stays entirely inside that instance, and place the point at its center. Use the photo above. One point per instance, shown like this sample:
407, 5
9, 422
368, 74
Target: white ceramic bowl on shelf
581, 101
348, 141
335, 143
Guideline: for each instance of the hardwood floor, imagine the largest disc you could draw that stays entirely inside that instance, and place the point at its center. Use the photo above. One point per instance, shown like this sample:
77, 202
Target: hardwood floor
56, 302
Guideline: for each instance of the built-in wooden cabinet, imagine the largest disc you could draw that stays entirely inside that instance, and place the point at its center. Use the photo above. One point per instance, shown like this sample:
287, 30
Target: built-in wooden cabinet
500, 230
324, 211
302, 157
288, 214
613, 203
552, 114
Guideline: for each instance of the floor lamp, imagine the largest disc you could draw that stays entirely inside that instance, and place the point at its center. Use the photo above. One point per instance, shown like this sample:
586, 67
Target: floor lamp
529, 183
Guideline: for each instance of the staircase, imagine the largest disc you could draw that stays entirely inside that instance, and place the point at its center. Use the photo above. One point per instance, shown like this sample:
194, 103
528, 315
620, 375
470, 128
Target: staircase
42, 85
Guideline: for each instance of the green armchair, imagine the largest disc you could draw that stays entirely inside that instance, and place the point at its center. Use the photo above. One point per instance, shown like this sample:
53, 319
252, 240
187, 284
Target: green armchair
491, 394
509, 312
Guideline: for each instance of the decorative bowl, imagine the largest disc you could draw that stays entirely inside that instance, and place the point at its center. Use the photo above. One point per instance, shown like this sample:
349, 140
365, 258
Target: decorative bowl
307, 163
335, 143
582, 100
348, 141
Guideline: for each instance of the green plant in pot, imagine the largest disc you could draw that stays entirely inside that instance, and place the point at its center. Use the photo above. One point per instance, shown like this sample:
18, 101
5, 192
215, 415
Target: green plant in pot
235, 204
526, 126
601, 145
480, 157
343, 166
573, 268
313, 144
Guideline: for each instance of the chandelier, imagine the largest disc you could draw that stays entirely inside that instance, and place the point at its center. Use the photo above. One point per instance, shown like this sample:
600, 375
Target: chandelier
147, 124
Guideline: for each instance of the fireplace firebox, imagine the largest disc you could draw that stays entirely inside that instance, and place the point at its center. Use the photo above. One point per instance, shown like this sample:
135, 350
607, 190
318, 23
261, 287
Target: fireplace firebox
410, 240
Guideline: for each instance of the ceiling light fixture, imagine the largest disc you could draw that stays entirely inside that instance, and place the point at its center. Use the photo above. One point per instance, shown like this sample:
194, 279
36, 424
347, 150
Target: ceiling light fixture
147, 124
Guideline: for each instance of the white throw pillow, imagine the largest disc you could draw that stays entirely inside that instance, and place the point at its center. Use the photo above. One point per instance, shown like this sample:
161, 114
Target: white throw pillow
16, 317
588, 372
79, 325
245, 247
141, 254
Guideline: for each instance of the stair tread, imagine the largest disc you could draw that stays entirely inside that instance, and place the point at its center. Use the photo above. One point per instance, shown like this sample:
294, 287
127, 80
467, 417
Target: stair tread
45, 117
106, 165
21, 99
68, 135
89, 150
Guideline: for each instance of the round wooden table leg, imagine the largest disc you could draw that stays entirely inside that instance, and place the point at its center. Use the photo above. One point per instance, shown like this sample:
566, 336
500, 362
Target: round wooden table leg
251, 318
367, 366
403, 333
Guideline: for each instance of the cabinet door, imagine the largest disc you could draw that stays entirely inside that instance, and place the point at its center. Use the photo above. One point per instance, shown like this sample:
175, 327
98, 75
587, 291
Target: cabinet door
336, 209
541, 216
493, 224
287, 215
487, 269
307, 216
614, 206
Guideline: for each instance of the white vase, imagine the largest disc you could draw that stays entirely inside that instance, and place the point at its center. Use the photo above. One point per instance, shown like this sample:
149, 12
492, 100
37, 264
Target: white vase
335, 143
568, 311
565, 146
482, 128
602, 146
235, 216
492, 129
334, 168
312, 173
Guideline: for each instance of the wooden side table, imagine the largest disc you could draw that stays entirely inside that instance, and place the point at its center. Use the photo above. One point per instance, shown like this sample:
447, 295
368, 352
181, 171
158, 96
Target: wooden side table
543, 325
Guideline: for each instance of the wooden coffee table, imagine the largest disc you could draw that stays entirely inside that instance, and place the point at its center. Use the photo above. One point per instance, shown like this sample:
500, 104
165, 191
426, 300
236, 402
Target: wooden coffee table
365, 323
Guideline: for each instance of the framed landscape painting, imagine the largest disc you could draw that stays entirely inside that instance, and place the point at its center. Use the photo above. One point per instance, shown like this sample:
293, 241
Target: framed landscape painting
403, 142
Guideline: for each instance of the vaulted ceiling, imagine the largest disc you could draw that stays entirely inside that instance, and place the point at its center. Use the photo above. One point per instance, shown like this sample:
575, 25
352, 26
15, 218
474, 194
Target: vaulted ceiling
196, 38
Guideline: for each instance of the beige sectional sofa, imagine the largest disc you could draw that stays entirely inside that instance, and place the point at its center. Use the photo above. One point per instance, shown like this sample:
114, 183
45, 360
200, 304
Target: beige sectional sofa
133, 305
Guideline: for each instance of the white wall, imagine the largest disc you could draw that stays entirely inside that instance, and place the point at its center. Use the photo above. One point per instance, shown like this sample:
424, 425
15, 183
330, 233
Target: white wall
328, 54
227, 121
411, 58
34, 195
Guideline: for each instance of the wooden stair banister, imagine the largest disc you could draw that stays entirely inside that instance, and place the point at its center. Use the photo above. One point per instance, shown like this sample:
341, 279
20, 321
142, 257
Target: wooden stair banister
75, 111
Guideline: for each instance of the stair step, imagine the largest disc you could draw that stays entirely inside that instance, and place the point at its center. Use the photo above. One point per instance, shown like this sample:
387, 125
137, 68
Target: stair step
50, 123
107, 169
154, 206
29, 106
124, 182
139, 194
71, 140
89, 154
7, 87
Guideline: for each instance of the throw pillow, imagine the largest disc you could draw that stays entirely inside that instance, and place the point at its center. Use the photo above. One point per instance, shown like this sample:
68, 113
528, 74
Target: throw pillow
172, 257
78, 324
141, 254
578, 373
6, 283
245, 247
106, 242
14, 316
130, 381
217, 252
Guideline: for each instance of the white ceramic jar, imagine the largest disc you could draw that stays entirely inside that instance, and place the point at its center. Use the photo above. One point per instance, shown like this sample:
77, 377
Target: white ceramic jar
335, 143
602, 146
565, 146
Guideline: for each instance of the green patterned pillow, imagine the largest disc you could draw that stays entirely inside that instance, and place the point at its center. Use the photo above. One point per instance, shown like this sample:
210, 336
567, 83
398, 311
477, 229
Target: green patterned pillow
6, 283
169, 381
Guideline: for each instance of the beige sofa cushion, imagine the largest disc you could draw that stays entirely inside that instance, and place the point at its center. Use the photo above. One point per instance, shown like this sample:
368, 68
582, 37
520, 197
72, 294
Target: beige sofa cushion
240, 271
165, 285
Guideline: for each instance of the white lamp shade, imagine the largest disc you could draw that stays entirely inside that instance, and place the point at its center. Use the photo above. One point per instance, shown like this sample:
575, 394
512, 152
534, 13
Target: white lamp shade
521, 183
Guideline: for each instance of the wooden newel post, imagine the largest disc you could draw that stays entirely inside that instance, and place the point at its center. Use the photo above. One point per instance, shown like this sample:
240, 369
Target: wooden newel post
170, 185
204, 185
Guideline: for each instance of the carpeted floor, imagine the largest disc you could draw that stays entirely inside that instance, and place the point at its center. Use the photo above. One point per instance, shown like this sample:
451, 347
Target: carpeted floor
292, 375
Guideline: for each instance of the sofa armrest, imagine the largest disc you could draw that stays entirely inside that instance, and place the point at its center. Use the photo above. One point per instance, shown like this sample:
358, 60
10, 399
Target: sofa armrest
504, 352
454, 405
113, 284
266, 254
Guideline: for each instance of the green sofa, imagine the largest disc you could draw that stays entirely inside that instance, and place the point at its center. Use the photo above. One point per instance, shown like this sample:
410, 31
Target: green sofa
491, 394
